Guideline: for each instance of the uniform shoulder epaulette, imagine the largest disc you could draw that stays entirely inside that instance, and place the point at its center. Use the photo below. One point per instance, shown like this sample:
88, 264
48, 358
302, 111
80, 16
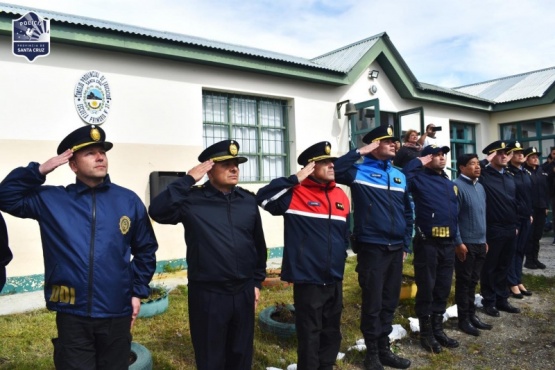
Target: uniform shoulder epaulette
528, 172
197, 187
246, 191
510, 173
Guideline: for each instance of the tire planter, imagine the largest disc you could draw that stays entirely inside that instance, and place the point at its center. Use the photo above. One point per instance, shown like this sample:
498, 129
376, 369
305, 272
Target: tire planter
154, 307
140, 359
269, 325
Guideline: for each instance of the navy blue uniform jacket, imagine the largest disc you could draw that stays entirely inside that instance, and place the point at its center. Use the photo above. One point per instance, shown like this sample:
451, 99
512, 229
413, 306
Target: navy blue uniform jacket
435, 201
224, 236
88, 236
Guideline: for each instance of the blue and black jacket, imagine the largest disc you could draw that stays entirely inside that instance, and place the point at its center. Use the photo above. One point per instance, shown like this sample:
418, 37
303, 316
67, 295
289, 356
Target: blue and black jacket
383, 212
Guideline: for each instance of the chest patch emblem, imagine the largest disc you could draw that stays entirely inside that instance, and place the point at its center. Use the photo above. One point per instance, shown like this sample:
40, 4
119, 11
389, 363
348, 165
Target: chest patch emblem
396, 180
313, 203
124, 224
339, 206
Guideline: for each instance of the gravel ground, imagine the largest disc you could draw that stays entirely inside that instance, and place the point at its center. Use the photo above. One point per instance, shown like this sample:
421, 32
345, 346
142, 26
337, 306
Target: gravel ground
517, 341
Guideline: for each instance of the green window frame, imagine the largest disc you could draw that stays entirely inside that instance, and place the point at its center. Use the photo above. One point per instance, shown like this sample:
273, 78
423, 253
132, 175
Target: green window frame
539, 133
258, 124
463, 141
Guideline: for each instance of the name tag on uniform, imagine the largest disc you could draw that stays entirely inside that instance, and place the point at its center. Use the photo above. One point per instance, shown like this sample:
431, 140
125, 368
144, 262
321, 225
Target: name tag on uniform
377, 175
314, 203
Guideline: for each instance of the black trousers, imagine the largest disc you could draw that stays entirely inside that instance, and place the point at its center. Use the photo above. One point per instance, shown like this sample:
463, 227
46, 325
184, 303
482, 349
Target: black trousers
434, 262
379, 276
514, 275
318, 320
86, 343
222, 328
467, 275
533, 248
493, 279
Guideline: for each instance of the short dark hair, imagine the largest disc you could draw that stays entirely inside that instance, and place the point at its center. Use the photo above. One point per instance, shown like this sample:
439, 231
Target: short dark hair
463, 159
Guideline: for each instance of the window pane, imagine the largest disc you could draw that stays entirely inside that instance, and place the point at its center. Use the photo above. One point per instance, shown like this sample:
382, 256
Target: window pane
243, 111
215, 109
508, 132
528, 129
271, 114
259, 126
547, 127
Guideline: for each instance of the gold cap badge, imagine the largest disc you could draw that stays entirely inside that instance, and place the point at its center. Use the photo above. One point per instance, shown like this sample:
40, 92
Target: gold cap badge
502, 144
233, 149
95, 134
328, 149
389, 131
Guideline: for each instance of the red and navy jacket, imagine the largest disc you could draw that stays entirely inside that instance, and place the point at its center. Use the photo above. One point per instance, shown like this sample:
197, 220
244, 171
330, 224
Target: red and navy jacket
316, 228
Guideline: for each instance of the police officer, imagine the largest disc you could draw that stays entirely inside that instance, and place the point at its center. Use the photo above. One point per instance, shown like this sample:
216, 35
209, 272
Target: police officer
502, 228
523, 182
382, 232
540, 203
436, 226
226, 255
310, 203
99, 250
5, 252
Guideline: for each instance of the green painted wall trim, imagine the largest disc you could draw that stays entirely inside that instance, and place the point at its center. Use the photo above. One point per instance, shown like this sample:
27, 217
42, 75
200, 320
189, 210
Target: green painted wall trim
32, 283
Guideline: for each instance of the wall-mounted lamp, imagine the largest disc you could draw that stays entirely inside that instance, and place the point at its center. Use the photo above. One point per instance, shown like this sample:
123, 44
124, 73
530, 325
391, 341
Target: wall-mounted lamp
349, 108
373, 74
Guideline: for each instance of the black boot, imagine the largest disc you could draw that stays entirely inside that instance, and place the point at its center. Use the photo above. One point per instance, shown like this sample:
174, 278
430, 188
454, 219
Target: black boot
530, 263
475, 320
427, 340
439, 334
466, 327
539, 265
388, 358
372, 359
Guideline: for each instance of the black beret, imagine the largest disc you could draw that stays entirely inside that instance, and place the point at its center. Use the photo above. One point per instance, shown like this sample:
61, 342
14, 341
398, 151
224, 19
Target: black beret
83, 137
434, 149
315, 153
530, 151
222, 151
379, 133
495, 146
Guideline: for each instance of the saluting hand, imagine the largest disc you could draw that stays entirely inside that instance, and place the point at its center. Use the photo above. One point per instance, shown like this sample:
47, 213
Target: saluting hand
369, 148
490, 156
306, 171
55, 162
200, 170
426, 159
